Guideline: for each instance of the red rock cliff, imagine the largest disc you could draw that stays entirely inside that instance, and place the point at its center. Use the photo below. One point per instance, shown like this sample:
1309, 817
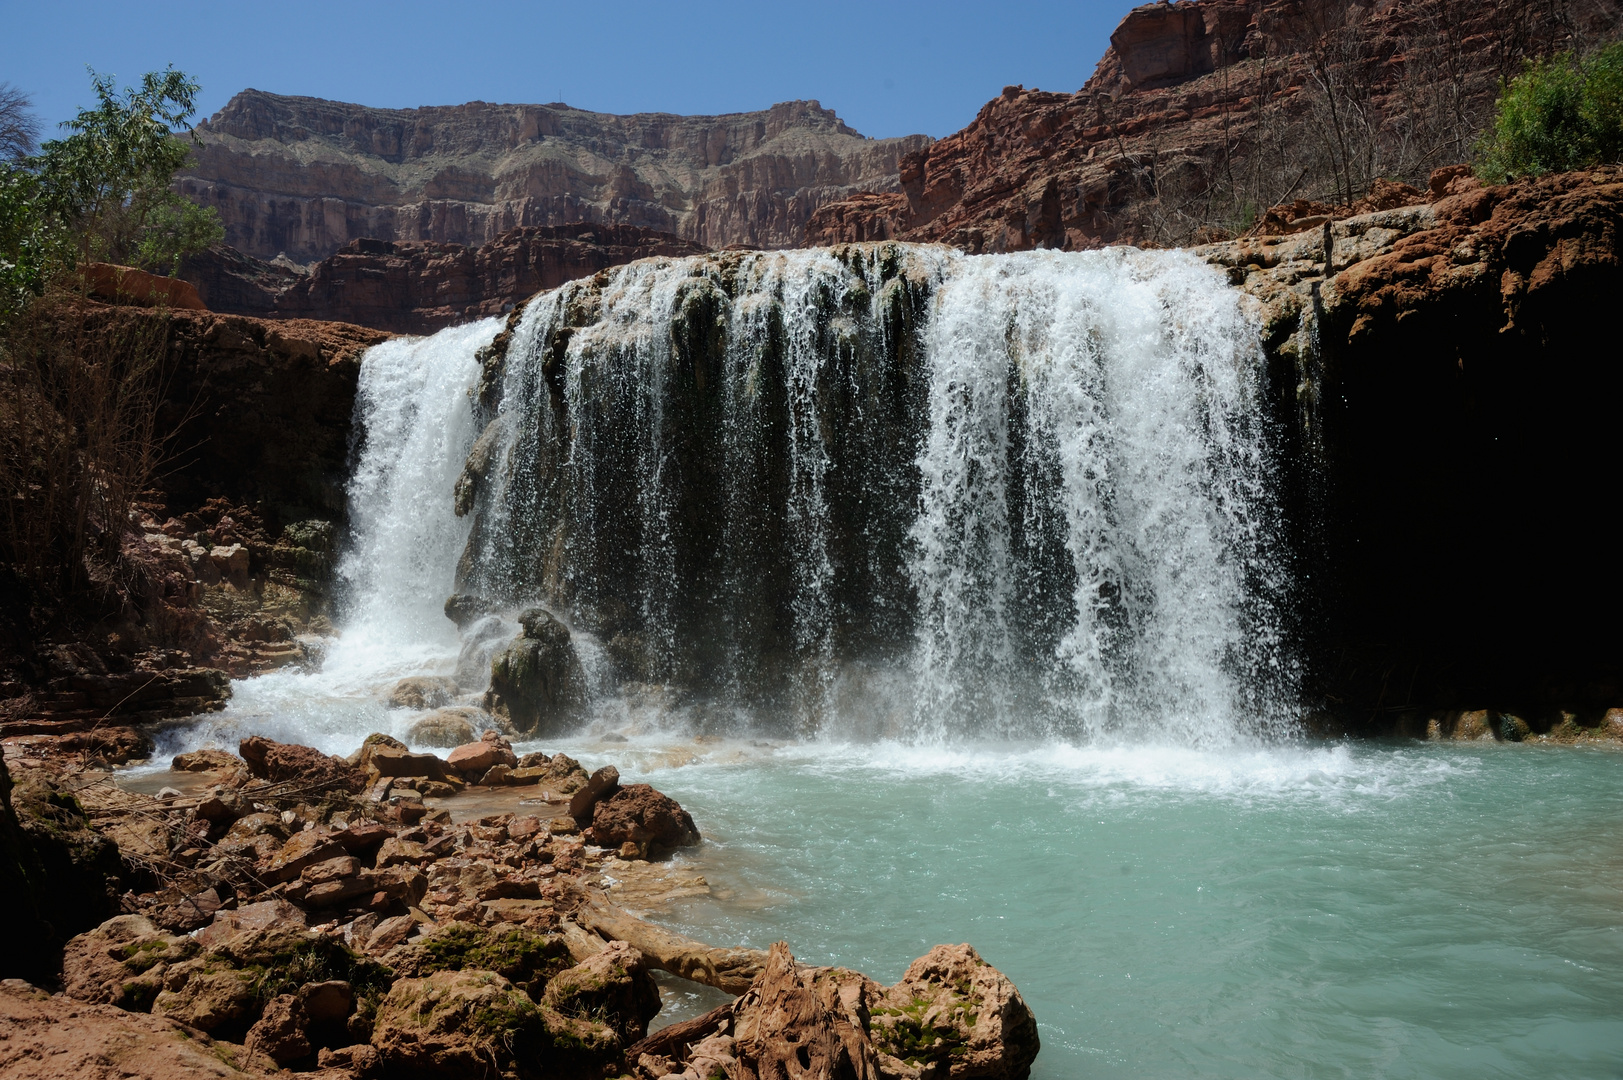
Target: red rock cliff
418, 287
1203, 112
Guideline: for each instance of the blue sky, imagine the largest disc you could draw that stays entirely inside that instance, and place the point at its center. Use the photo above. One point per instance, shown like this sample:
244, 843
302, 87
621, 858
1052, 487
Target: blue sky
886, 68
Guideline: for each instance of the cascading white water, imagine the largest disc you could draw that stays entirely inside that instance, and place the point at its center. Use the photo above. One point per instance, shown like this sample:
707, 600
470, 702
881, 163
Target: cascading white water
1138, 419
884, 490
415, 425
1080, 470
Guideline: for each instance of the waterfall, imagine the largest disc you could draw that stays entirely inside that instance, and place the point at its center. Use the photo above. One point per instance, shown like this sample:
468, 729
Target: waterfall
415, 424
895, 489
1093, 498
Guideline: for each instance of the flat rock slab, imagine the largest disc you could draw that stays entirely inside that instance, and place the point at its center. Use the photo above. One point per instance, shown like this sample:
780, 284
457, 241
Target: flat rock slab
44, 1037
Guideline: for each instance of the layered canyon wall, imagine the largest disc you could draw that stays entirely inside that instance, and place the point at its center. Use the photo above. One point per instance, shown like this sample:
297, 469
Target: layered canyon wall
303, 177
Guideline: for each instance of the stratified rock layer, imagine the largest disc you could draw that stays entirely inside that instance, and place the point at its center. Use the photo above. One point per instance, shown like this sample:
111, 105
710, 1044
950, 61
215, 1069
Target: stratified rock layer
303, 177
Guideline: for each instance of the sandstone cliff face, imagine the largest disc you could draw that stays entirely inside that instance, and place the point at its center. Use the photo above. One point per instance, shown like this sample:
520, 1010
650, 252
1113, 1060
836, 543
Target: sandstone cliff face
304, 177
1205, 111
418, 287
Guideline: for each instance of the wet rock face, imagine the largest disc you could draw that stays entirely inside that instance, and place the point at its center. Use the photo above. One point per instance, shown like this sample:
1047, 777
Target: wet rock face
691, 571
537, 682
1468, 324
305, 177
422, 692
446, 727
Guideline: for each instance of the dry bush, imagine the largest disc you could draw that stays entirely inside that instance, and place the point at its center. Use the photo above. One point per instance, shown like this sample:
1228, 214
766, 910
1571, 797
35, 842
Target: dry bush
79, 400
1342, 97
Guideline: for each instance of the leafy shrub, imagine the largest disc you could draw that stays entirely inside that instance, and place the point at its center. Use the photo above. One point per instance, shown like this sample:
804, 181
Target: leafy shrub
101, 192
1561, 113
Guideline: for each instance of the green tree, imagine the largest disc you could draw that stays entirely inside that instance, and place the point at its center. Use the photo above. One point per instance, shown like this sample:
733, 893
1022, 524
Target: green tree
101, 192
24, 245
30, 245
1559, 114
109, 181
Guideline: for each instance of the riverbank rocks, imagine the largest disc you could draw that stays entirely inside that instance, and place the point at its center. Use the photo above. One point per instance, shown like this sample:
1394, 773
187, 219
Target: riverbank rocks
348, 933
475, 759
951, 1017
302, 765
383, 756
446, 727
537, 682
650, 822
600, 785
208, 760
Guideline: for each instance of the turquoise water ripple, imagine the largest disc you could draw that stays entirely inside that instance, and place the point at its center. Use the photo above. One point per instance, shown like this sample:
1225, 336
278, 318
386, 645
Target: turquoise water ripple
1349, 911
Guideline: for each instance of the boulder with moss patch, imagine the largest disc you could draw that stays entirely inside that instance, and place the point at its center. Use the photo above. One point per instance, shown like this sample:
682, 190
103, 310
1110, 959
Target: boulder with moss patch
524, 957
122, 962
613, 987
958, 1015
459, 1024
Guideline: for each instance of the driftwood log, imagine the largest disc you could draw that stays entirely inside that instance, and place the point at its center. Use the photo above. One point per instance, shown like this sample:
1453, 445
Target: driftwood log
595, 920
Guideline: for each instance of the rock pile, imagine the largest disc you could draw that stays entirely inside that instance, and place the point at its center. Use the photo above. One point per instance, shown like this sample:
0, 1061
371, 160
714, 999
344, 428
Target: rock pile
952, 1015
313, 913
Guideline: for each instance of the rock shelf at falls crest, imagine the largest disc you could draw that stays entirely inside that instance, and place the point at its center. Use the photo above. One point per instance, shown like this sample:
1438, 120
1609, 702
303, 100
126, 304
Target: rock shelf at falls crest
1024, 494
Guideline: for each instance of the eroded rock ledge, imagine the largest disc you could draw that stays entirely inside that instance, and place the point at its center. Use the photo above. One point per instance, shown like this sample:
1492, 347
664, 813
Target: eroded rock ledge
231, 552
1446, 395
